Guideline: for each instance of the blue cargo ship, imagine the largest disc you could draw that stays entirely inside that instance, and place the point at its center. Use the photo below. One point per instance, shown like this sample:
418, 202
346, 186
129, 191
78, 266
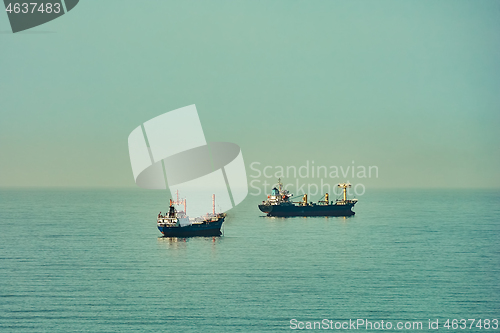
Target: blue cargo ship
279, 204
178, 224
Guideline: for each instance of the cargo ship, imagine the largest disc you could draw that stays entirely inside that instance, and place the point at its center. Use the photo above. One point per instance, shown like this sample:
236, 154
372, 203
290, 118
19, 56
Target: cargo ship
178, 224
279, 203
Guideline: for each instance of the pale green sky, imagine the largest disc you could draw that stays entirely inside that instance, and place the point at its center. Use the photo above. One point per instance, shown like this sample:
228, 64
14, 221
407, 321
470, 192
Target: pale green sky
412, 87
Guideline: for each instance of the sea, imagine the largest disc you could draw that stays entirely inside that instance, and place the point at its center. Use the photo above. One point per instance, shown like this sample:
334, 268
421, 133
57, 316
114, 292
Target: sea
92, 260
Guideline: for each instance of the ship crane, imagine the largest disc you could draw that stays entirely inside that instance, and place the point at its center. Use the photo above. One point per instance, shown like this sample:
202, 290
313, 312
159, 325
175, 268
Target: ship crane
344, 187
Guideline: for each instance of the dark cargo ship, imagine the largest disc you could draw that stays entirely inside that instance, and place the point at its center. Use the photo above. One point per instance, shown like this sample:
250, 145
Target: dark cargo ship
178, 224
279, 204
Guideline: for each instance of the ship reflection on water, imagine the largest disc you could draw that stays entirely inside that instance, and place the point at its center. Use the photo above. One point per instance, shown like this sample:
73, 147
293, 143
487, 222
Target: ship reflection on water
305, 218
181, 242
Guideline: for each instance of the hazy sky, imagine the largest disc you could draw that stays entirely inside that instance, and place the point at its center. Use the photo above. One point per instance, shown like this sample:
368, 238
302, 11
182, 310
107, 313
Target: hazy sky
412, 87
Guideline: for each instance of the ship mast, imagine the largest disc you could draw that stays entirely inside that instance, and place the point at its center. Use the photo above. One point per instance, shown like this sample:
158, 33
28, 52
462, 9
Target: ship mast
344, 186
179, 202
213, 204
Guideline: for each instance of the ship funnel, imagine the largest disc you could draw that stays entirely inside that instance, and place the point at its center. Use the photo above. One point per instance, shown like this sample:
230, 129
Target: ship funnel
326, 198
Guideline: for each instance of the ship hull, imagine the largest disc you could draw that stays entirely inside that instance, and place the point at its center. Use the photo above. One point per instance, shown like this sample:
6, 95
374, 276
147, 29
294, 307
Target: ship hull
205, 229
316, 210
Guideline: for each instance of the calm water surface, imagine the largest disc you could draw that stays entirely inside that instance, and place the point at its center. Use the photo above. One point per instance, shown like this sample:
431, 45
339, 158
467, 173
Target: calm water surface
93, 261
